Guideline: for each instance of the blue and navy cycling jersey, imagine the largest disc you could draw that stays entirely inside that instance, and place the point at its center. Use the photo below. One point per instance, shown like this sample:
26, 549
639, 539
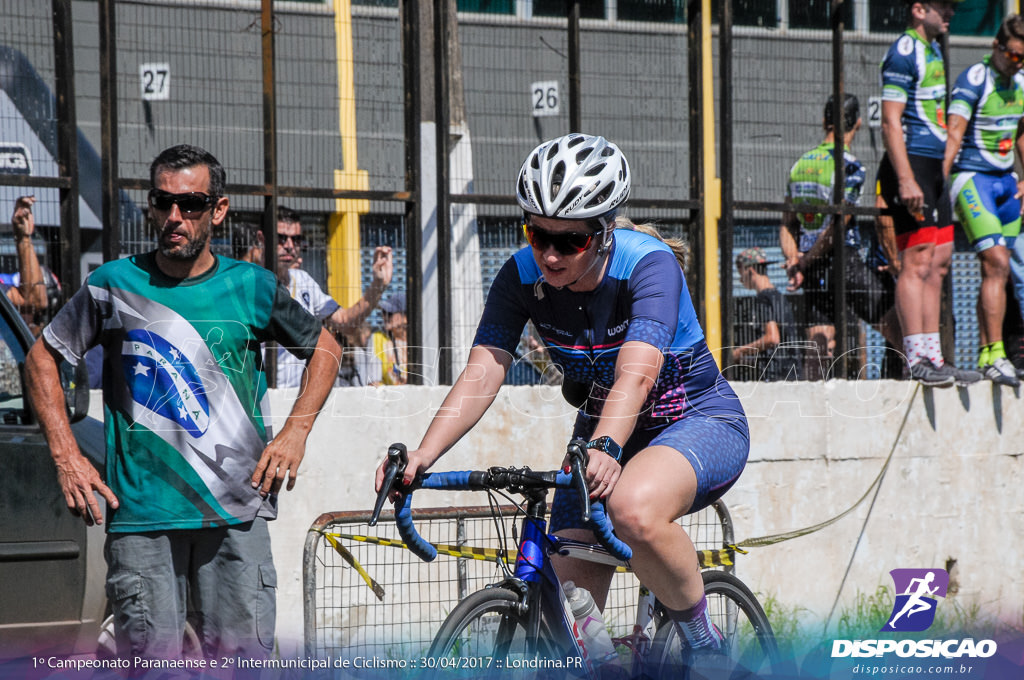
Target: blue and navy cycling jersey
642, 297
913, 73
993, 106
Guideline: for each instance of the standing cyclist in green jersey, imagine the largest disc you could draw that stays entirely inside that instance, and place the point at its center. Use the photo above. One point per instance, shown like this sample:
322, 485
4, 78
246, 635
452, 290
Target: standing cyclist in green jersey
806, 238
192, 470
984, 130
911, 183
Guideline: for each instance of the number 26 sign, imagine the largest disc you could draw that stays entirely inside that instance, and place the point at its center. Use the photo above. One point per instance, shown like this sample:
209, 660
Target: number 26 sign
544, 98
155, 81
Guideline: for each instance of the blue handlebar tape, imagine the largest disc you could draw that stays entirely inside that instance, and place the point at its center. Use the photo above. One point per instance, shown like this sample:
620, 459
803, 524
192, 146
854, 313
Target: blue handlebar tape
454, 480
603, 530
419, 547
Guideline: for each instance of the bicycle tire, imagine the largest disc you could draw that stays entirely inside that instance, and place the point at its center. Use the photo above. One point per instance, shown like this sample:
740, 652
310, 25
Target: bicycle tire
485, 635
750, 643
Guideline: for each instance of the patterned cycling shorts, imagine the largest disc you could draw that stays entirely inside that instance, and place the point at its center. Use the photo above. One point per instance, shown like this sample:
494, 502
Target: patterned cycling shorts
716, 446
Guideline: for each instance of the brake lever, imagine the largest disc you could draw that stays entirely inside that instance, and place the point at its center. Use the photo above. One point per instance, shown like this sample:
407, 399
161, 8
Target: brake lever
398, 458
578, 458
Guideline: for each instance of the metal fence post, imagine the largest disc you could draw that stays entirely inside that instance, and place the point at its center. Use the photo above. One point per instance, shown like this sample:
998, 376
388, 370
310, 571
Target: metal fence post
111, 201
413, 80
269, 224
726, 224
840, 362
67, 145
442, 117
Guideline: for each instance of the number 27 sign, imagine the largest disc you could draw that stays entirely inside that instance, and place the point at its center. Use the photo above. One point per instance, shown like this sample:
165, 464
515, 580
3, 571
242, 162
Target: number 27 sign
155, 80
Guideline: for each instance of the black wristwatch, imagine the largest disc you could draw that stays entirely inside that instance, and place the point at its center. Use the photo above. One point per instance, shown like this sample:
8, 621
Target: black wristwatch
607, 445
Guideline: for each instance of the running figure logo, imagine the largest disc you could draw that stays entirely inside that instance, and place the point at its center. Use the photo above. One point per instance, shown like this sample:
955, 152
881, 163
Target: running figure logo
917, 593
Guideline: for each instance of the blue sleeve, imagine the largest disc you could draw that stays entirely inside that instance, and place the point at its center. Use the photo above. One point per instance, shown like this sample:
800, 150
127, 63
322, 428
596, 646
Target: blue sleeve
505, 315
855, 177
655, 285
966, 94
899, 71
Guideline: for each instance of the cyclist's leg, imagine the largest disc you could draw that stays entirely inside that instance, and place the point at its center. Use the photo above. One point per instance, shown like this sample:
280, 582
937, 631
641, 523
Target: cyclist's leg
688, 465
567, 521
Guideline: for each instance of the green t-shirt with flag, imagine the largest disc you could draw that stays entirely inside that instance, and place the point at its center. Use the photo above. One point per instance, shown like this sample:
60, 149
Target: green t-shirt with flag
184, 391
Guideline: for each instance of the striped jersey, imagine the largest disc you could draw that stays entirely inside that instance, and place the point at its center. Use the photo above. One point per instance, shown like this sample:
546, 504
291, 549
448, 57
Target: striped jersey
184, 391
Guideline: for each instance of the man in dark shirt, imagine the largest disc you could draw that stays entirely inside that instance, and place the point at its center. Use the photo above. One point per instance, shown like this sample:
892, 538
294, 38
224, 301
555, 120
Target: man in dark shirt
770, 347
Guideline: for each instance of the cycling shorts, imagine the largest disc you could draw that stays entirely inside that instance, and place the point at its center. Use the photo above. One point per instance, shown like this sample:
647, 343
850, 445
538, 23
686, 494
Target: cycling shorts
934, 224
716, 447
988, 207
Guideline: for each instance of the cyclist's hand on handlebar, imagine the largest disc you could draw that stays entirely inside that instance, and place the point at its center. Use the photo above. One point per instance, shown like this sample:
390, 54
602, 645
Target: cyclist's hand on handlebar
419, 462
602, 474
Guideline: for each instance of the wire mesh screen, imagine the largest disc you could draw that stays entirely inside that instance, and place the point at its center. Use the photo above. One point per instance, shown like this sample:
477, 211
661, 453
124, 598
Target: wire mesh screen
345, 617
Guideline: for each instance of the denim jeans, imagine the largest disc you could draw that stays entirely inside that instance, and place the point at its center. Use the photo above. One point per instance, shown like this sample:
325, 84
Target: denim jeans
221, 579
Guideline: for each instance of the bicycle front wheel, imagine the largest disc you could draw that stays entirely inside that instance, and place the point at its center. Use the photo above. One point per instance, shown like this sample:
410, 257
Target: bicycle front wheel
750, 645
485, 634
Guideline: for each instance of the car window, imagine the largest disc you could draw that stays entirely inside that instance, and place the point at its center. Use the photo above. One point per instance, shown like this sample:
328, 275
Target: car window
12, 359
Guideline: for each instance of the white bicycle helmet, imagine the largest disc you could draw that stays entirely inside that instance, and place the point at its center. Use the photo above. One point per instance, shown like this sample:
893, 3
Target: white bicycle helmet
574, 177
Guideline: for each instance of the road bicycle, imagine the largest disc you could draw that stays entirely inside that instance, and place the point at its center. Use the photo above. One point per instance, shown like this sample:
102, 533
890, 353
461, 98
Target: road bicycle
524, 622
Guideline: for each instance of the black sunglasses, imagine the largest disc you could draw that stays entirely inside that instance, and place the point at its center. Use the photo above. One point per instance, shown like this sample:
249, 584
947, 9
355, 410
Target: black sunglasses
191, 204
565, 242
295, 238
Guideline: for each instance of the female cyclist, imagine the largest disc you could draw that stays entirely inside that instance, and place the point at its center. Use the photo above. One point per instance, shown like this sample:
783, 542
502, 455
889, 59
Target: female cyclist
667, 435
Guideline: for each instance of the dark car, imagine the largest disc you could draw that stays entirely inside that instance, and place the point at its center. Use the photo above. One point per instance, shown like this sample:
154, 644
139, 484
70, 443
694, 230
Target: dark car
52, 571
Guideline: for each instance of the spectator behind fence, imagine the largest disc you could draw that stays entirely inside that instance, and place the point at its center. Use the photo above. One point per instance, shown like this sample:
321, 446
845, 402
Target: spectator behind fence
360, 367
770, 349
302, 287
984, 130
26, 288
390, 345
247, 243
910, 182
806, 238
192, 474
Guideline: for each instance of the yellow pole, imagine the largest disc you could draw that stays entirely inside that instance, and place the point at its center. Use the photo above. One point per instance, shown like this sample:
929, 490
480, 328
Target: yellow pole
712, 194
343, 267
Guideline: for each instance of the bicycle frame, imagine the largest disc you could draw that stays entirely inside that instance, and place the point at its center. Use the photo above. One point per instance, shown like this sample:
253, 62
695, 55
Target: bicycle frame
533, 569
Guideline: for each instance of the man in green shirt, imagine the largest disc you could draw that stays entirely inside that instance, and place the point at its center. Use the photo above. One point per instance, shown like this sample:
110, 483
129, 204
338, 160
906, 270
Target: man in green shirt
192, 471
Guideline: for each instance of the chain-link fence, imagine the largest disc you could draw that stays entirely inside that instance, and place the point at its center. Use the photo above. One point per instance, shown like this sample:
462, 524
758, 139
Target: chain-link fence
331, 108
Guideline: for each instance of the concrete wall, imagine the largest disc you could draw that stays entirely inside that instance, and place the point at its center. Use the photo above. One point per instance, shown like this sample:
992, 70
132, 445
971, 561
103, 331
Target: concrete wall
951, 492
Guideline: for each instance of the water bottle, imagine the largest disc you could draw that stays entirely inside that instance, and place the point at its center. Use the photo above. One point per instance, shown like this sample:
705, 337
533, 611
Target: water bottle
599, 646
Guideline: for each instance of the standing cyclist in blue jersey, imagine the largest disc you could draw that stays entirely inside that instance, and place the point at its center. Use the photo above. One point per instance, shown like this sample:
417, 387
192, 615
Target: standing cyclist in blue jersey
667, 434
910, 181
190, 477
984, 131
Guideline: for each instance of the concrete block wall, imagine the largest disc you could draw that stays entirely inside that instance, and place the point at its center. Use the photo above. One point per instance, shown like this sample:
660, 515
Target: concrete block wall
950, 495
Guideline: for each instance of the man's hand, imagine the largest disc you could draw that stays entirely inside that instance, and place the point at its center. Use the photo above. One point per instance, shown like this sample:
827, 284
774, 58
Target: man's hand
79, 479
23, 220
383, 265
911, 195
1020, 195
280, 459
795, 274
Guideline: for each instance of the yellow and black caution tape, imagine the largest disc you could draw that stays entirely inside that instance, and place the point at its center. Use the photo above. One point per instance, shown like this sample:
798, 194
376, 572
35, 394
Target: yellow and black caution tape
351, 559
706, 558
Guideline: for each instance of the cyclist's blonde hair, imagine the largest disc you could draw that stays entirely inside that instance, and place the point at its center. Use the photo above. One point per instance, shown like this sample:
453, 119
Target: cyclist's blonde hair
680, 247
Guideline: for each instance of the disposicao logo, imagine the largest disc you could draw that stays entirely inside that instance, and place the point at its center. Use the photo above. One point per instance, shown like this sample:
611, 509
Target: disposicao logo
917, 593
